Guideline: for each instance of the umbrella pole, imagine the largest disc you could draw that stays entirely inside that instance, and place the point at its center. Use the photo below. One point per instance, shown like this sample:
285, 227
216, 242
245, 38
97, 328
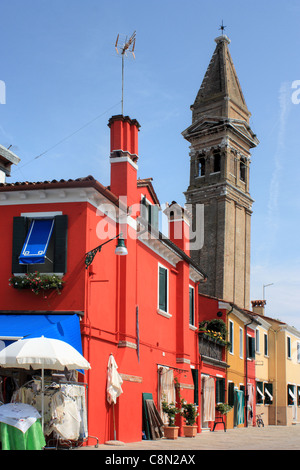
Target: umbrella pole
114, 422
43, 390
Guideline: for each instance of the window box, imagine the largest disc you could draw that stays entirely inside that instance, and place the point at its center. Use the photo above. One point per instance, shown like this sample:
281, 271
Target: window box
37, 283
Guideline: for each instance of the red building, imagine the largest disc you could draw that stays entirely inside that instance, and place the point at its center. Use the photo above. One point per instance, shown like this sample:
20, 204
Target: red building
141, 307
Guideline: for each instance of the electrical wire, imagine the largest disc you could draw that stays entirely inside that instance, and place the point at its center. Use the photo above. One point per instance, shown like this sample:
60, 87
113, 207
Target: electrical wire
67, 137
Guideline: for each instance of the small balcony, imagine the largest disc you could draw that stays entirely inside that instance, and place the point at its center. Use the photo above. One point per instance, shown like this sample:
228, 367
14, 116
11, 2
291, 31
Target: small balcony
212, 350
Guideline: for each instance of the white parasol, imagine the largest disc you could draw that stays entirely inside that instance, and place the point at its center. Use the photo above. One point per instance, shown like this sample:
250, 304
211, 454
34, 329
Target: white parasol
113, 389
42, 353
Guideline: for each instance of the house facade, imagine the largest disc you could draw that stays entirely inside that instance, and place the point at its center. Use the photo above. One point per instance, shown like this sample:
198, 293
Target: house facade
141, 307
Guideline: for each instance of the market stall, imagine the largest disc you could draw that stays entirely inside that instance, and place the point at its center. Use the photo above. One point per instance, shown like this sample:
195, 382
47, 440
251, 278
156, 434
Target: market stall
61, 403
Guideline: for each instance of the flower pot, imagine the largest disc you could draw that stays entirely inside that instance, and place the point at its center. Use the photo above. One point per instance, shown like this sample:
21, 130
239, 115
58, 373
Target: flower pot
189, 431
171, 432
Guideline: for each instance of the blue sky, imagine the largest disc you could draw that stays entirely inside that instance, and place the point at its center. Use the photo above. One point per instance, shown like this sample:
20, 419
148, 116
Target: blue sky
63, 82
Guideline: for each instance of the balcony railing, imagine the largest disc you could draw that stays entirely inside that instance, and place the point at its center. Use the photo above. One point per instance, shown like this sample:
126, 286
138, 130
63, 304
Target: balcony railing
210, 347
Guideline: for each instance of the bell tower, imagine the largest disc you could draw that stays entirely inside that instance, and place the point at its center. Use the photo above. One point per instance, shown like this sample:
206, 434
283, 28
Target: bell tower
220, 140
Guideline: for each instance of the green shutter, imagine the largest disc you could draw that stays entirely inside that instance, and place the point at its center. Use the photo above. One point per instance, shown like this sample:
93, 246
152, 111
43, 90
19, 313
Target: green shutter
192, 319
163, 289
251, 348
19, 234
60, 247
195, 374
230, 394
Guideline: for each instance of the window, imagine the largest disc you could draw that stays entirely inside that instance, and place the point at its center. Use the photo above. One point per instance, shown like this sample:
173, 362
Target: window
201, 167
243, 171
298, 351
162, 289
288, 346
268, 388
298, 395
47, 232
250, 347
150, 213
265, 344
259, 393
257, 349
192, 306
220, 390
241, 343
217, 163
231, 393
231, 336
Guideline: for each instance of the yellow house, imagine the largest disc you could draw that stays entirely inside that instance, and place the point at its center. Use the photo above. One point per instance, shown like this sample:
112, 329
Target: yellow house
241, 326
278, 378
264, 388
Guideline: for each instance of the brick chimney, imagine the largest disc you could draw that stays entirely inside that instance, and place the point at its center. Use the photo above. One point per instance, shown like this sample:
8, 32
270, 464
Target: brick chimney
258, 306
7, 159
124, 156
179, 220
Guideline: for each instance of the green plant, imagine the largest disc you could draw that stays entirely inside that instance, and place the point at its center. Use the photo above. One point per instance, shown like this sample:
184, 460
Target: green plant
37, 282
171, 410
215, 329
223, 408
189, 412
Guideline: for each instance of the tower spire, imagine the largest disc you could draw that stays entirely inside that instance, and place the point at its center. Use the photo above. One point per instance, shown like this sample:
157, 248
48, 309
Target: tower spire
221, 139
220, 93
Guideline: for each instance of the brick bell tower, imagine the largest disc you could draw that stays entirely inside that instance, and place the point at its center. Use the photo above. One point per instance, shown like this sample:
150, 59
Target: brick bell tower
221, 139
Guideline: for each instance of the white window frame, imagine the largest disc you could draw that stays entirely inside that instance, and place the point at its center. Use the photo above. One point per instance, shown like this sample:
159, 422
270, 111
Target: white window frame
231, 339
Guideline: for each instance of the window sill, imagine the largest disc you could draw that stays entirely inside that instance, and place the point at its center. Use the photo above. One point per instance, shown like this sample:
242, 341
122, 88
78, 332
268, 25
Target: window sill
164, 314
192, 327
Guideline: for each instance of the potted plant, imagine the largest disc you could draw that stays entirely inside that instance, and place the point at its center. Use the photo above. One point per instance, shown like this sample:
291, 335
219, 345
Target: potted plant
170, 431
223, 408
189, 413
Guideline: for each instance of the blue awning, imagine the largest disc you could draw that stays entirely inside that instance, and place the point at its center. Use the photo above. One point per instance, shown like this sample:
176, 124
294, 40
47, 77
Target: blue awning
37, 241
63, 327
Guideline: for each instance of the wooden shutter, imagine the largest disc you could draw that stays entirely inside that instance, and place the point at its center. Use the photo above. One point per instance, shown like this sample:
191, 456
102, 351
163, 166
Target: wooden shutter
163, 289
251, 348
19, 234
192, 311
231, 394
195, 374
60, 244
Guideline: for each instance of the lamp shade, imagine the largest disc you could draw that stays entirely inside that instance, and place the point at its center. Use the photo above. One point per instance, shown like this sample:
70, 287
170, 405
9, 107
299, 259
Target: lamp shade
121, 249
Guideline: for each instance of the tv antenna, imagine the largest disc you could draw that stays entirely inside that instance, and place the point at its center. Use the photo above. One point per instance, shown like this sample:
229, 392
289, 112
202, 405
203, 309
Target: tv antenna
125, 48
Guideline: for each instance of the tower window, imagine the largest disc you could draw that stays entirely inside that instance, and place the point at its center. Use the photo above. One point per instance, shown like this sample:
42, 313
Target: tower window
242, 171
201, 167
217, 163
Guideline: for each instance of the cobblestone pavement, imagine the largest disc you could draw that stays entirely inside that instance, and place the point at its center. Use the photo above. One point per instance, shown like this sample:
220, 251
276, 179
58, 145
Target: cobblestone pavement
251, 438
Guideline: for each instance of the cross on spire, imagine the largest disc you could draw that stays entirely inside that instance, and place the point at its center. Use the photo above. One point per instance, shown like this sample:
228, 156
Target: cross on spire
222, 28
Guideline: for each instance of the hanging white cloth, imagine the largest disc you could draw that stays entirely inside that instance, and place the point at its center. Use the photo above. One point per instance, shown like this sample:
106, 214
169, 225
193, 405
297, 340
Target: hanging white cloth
209, 404
114, 381
166, 390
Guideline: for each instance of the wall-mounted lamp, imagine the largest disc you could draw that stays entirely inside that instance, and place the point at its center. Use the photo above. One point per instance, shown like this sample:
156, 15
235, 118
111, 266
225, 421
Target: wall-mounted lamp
120, 250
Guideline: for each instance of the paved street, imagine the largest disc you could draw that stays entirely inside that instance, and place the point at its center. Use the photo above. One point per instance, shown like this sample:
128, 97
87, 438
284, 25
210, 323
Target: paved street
267, 438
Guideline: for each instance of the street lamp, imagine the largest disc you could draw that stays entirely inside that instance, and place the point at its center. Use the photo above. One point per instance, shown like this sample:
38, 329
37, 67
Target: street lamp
120, 250
264, 286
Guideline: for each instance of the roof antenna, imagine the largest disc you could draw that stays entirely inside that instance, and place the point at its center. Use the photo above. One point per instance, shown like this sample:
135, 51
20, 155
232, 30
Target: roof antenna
124, 48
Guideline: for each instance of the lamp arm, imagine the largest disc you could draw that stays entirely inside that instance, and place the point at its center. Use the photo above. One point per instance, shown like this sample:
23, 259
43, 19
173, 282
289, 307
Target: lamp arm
90, 255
